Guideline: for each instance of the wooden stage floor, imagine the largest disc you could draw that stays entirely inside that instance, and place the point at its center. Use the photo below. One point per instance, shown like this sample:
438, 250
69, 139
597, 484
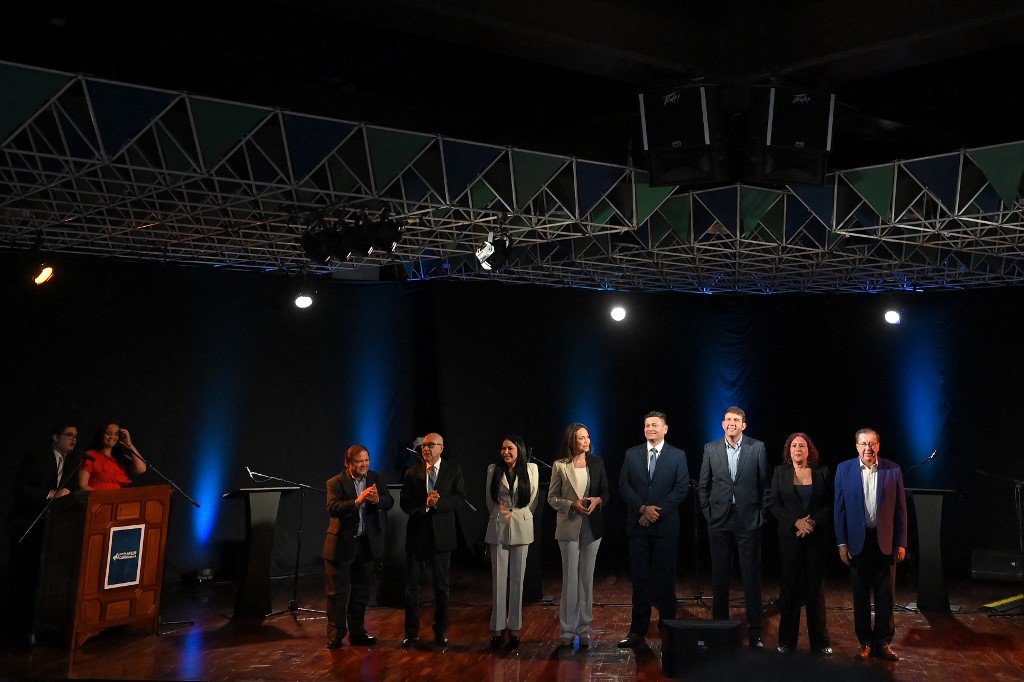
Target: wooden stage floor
971, 645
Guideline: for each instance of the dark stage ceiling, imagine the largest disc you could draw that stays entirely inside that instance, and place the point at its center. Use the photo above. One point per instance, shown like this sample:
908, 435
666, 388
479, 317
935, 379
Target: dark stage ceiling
460, 116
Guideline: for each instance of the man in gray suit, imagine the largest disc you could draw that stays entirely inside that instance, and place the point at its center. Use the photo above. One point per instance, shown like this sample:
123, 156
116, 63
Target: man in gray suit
356, 499
654, 482
733, 492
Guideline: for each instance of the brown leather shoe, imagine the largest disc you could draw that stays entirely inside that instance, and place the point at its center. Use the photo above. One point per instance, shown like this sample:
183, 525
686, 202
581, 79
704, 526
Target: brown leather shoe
885, 652
863, 653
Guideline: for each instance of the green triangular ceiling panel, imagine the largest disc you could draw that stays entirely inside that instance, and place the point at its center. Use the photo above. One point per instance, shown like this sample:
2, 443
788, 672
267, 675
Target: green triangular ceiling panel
1003, 166
391, 152
342, 178
122, 111
754, 203
876, 186
481, 195
220, 126
677, 211
648, 199
22, 92
531, 171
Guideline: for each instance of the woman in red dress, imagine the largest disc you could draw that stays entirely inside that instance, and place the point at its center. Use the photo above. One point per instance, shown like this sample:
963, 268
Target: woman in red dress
116, 460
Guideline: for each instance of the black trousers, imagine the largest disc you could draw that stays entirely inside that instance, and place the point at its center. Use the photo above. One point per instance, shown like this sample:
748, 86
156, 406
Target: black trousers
728, 539
803, 578
873, 572
348, 591
653, 569
439, 565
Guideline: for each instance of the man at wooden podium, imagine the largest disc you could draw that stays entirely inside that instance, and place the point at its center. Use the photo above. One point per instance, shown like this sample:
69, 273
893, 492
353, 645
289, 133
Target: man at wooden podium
44, 474
355, 537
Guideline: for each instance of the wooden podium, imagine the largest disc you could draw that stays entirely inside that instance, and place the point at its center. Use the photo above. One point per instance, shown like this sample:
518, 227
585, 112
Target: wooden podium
84, 586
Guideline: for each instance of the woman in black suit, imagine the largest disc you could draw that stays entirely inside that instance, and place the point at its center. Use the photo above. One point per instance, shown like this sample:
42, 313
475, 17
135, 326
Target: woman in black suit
801, 501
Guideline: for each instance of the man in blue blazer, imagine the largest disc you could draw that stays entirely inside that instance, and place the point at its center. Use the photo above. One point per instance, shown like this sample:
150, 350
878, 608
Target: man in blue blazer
733, 490
871, 530
431, 493
356, 501
654, 482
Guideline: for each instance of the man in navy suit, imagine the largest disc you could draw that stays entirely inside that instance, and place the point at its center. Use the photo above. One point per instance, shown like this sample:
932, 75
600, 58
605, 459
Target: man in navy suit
733, 490
654, 482
431, 492
871, 529
356, 500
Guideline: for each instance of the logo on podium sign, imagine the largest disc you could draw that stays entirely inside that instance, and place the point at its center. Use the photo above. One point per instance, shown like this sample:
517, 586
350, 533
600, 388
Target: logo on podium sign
124, 560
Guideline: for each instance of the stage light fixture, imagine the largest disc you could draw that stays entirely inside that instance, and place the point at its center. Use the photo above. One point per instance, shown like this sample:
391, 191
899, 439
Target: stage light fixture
314, 245
493, 254
43, 274
893, 316
618, 313
384, 235
303, 300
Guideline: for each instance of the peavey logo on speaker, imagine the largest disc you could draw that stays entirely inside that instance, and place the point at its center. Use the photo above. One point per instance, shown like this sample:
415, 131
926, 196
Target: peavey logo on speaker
671, 98
801, 98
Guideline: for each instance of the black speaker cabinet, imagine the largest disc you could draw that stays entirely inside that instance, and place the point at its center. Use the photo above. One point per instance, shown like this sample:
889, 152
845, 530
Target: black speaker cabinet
996, 564
686, 644
684, 136
790, 135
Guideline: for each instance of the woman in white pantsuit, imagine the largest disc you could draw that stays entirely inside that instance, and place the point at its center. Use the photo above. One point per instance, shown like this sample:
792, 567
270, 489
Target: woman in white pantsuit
511, 494
578, 490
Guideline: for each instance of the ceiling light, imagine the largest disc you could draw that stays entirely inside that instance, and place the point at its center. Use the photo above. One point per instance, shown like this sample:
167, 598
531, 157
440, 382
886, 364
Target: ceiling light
892, 316
304, 300
493, 254
618, 313
43, 274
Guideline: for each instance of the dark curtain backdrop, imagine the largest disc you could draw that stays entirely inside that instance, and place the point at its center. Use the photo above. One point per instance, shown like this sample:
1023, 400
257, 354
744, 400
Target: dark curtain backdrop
215, 370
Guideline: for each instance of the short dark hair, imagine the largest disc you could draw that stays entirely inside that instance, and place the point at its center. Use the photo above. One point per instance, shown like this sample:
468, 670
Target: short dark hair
737, 410
351, 453
857, 435
660, 415
58, 428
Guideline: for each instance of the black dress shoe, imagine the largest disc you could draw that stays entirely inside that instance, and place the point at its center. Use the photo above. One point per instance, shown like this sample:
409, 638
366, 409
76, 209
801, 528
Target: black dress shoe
335, 643
364, 639
631, 641
408, 642
495, 641
884, 651
513, 641
785, 649
756, 643
441, 639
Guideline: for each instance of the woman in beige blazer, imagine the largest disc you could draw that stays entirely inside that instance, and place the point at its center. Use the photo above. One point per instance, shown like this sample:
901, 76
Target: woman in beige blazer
578, 490
512, 484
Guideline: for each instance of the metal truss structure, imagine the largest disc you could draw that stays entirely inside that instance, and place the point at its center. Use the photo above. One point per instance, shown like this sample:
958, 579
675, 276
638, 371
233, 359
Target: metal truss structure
100, 168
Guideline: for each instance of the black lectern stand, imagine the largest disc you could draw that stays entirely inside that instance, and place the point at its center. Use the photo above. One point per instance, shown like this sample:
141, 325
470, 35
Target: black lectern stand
253, 601
931, 578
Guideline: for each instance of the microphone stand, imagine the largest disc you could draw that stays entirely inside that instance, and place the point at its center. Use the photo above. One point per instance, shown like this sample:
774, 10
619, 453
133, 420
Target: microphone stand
60, 486
1017, 601
698, 596
160, 622
923, 461
159, 473
293, 605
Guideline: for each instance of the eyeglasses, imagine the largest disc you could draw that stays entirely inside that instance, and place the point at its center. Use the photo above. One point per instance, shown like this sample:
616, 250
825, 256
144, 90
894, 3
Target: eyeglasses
431, 446
873, 444
69, 435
